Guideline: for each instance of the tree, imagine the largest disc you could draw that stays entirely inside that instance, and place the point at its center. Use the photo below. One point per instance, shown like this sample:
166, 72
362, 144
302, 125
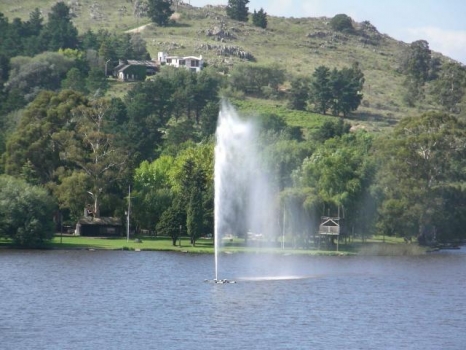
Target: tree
195, 210
237, 10
59, 32
416, 64
299, 93
37, 138
96, 81
321, 93
259, 19
75, 81
152, 191
26, 212
91, 148
331, 129
346, 86
30, 75
342, 23
173, 221
160, 11
340, 172
253, 79
33, 28
420, 162
449, 87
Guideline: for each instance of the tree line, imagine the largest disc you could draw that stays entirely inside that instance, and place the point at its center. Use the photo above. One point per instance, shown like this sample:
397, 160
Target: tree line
66, 146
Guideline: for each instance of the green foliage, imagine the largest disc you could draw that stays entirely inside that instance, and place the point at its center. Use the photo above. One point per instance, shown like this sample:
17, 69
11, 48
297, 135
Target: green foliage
420, 163
172, 223
298, 95
346, 86
26, 212
449, 87
152, 192
337, 90
59, 32
74, 81
35, 139
416, 63
259, 19
160, 11
29, 75
321, 93
251, 79
342, 23
330, 129
93, 150
238, 10
340, 173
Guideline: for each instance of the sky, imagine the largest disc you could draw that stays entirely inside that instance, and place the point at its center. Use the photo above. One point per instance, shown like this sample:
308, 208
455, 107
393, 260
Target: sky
441, 23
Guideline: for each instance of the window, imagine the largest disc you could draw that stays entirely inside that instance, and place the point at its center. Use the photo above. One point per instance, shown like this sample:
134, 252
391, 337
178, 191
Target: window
169, 60
194, 63
182, 62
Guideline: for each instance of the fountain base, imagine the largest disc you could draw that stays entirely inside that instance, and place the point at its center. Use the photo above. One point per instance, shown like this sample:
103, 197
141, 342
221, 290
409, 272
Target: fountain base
224, 281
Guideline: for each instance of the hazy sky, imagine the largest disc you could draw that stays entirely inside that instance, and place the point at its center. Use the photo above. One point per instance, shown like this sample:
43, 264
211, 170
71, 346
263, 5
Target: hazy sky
441, 22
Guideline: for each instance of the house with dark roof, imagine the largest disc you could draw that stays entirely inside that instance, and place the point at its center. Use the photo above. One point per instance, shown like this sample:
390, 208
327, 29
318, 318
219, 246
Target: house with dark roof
99, 227
134, 70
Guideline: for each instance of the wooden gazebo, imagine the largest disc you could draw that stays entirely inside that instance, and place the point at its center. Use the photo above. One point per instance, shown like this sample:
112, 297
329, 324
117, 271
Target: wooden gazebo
330, 227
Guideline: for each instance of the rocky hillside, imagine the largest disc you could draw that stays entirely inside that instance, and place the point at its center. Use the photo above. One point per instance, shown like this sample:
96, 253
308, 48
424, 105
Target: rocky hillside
298, 45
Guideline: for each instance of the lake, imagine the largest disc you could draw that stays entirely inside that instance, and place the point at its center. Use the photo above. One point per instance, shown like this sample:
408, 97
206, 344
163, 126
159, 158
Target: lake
159, 300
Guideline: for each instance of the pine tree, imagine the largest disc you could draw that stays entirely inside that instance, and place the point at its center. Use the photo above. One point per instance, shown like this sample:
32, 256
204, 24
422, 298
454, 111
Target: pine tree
160, 11
59, 32
238, 10
259, 19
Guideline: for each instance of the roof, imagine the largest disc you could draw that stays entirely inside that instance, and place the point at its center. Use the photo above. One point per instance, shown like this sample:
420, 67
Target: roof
184, 57
143, 63
102, 221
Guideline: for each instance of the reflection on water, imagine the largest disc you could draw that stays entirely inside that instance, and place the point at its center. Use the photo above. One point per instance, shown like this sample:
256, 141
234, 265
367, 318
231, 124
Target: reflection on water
155, 300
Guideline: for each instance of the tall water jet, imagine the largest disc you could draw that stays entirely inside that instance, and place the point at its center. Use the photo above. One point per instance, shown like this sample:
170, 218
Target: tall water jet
244, 201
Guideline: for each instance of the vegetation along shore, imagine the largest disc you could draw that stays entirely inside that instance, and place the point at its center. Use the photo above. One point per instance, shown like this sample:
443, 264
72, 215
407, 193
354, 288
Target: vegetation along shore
108, 113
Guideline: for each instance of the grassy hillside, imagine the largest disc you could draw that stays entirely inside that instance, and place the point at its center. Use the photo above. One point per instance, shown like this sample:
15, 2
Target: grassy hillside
297, 45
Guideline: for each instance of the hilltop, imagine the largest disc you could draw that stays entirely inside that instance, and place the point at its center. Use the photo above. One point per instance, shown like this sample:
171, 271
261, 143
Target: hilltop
298, 45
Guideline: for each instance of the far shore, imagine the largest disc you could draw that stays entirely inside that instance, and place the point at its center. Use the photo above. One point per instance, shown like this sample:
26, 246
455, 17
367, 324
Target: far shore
376, 245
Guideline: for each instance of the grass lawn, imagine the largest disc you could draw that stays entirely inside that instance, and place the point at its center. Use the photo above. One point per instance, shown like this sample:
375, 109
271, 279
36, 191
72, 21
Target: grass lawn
375, 245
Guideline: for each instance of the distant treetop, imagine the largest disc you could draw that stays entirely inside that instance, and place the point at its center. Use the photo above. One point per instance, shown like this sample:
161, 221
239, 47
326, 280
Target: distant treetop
342, 23
238, 10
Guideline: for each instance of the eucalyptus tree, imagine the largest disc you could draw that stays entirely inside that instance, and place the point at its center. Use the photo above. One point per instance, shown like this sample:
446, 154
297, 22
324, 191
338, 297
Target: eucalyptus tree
341, 172
421, 162
91, 148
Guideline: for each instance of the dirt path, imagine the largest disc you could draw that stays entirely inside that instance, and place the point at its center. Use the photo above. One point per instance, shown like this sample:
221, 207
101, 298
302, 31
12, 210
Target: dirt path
138, 29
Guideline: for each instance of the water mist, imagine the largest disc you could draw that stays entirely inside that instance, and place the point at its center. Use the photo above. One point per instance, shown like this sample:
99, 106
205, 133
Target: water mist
244, 200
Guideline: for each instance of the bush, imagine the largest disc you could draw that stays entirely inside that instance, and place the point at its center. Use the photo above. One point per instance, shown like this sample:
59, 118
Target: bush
342, 23
26, 212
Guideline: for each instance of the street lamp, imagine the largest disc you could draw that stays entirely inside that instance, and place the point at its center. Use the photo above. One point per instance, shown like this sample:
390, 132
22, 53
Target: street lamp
128, 212
106, 68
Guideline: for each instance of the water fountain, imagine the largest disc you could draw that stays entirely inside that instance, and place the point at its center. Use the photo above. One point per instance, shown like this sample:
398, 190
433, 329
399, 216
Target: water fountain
243, 199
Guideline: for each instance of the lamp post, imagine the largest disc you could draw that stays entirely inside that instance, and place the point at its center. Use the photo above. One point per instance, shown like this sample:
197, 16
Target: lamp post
106, 68
128, 212
180, 236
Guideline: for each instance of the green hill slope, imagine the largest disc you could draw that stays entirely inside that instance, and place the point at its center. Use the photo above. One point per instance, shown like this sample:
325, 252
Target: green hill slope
297, 45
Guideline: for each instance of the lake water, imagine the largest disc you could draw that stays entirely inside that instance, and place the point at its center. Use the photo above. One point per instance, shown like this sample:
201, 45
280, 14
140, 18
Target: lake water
156, 300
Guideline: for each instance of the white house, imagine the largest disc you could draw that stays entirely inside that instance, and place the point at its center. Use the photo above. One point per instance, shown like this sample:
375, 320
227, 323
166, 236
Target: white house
189, 62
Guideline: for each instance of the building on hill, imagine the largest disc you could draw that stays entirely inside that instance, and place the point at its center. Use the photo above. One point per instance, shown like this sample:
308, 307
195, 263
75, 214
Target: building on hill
133, 70
192, 63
